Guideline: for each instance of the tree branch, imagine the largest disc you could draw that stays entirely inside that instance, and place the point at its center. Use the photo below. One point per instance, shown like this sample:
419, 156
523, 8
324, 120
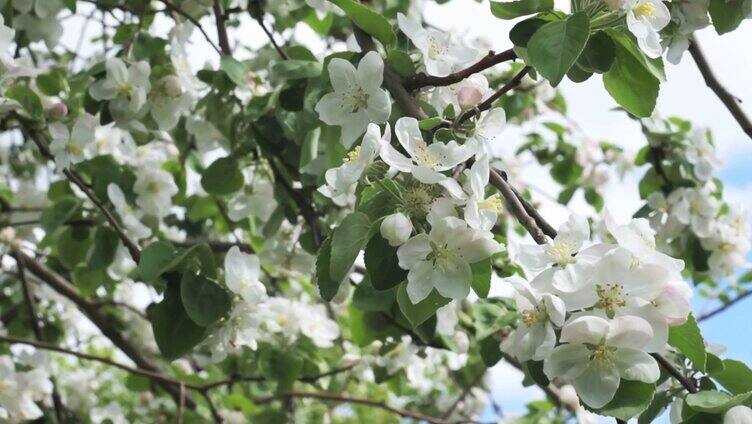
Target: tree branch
725, 306
335, 397
728, 99
91, 310
175, 9
219, 18
488, 103
491, 59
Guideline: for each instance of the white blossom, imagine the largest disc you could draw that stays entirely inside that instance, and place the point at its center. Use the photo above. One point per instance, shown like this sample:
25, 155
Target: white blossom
242, 272
358, 98
441, 259
645, 19
701, 153
126, 87
739, 414
597, 353
154, 188
396, 228
20, 390
70, 148
256, 199
133, 226
441, 54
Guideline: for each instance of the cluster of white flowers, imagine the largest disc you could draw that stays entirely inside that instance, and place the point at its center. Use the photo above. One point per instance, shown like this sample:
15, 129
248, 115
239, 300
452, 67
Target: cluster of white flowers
20, 390
257, 317
594, 313
689, 16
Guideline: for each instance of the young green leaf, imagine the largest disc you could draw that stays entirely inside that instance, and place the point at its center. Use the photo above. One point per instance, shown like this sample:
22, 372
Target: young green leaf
204, 301
368, 20
516, 8
418, 313
555, 47
347, 241
688, 339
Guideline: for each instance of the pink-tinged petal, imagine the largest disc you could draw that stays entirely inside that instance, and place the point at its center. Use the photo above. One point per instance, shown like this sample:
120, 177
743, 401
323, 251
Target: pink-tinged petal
586, 329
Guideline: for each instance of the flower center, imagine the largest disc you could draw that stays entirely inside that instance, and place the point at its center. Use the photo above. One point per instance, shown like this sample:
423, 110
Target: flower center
602, 355
417, 201
561, 251
353, 155
610, 298
435, 49
423, 156
644, 10
533, 316
440, 254
152, 187
360, 100
492, 203
124, 88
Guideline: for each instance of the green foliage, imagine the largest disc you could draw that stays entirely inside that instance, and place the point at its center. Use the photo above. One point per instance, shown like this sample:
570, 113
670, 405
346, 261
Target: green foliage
688, 339
418, 313
347, 241
727, 15
630, 400
204, 301
103, 249
631, 84
381, 264
174, 331
555, 47
516, 8
223, 176
368, 20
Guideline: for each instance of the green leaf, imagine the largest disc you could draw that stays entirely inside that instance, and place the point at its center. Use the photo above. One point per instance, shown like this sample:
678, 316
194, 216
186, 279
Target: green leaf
296, 69
594, 199
236, 71
382, 264
727, 15
400, 62
285, 366
104, 248
599, 54
174, 331
27, 98
492, 315
490, 351
629, 43
714, 402
328, 286
156, 259
735, 376
688, 339
515, 9
417, 314
521, 33
205, 301
630, 400
59, 213
72, 245
367, 298
555, 47
481, 283
632, 85
52, 83
347, 241
660, 402
223, 176
368, 20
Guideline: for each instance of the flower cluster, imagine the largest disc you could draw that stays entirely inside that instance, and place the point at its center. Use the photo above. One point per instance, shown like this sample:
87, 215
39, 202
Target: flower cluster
593, 314
20, 390
257, 317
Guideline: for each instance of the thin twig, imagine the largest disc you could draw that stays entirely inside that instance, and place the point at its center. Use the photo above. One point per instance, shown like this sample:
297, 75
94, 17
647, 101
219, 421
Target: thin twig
175, 9
256, 11
728, 99
725, 306
491, 59
336, 397
488, 103
219, 18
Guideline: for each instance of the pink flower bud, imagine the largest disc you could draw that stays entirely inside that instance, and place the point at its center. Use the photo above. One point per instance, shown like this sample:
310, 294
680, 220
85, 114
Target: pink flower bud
58, 111
469, 97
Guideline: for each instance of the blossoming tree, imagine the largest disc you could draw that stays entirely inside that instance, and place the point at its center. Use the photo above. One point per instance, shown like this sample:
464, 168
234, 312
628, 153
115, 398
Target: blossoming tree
334, 234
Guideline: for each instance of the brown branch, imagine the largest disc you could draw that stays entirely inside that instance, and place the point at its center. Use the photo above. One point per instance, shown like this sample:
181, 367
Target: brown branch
488, 103
29, 300
688, 383
725, 306
256, 10
728, 99
336, 397
491, 59
219, 18
218, 246
175, 9
305, 379
92, 311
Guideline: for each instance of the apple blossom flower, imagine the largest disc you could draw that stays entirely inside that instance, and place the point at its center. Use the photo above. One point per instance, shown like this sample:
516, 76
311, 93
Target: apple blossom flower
534, 337
358, 98
242, 272
125, 87
441, 259
396, 228
461, 95
701, 153
256, 199
242, 328
698, 208
168, 102
481, 212
154, 188
70, 148
639, 239
488, 127
339, 180
441, 54
597, 353
425, 161
315, 325
20, 389
645, 19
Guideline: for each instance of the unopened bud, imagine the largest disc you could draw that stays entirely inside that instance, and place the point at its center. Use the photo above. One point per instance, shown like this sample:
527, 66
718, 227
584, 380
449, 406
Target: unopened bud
396, 228
58, 111
171, 86
469, 97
